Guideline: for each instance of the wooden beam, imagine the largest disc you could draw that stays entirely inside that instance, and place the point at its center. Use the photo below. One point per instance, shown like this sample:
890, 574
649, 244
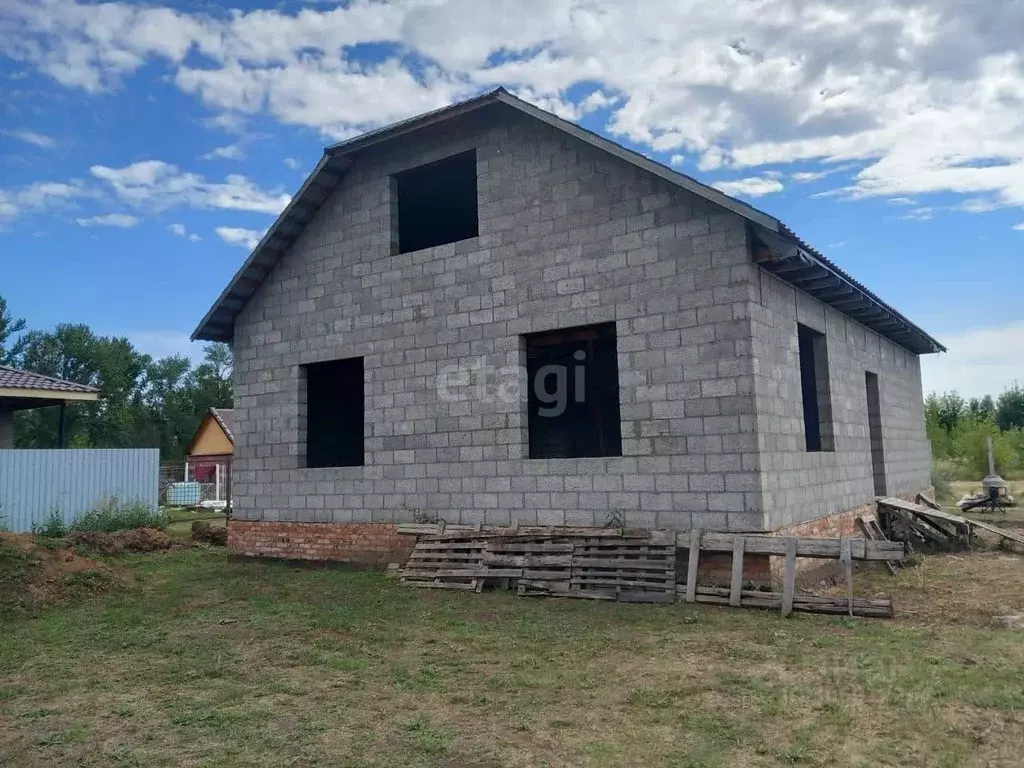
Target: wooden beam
762, 544
691, 568
737, 572
789, 577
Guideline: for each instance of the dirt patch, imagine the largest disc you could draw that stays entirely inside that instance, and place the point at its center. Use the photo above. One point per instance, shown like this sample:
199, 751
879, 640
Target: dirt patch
962, 589
120, 542
203, 532
33, 574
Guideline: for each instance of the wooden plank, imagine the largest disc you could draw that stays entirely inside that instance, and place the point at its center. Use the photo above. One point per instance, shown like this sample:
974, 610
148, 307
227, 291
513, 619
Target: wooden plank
522, 560
997, 531
583, 581
922, 499
470, 586
691, 567
872, 530
737, 571
789, 578
863, 606
847, 560
758, 544
646, 597
607, 562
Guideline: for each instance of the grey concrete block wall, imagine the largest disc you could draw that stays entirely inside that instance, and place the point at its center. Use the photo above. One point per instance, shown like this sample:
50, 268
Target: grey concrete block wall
568, 236
708, 364
798, 485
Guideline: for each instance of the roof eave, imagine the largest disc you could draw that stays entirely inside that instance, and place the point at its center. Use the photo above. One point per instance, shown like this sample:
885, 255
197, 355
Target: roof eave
218, 323
790, 259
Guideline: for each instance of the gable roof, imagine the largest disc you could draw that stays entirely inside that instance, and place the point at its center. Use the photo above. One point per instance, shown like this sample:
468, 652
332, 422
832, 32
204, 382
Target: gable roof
780, 250
17, 383
226, 418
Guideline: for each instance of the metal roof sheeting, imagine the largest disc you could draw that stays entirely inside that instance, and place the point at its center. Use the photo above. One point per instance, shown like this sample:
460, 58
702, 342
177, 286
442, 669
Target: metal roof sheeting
800, 265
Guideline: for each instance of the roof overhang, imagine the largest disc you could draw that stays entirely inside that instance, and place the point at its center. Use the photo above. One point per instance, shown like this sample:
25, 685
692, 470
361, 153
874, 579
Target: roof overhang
22, 398
782, 251
787, 257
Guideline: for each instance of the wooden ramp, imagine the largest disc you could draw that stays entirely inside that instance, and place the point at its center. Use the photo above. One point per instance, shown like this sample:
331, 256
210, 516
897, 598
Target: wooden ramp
938, 519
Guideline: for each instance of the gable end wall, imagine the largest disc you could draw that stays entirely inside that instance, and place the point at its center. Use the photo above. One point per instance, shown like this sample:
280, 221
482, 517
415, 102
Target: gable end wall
568, 236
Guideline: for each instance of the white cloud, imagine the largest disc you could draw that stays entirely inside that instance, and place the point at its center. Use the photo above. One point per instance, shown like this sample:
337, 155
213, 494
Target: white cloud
31, 137
38, 197
292, 163
245, 238
157, 185
983, 361
1019, 227
181, 231
228, 152
925, 97
750, 187
925, 213
119, 220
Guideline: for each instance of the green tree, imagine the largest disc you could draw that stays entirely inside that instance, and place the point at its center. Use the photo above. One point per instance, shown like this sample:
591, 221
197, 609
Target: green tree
10, 328
981, 408
1010, 408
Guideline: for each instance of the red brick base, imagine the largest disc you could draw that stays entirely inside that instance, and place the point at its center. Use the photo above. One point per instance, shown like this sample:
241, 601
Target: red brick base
831, 527
367, 545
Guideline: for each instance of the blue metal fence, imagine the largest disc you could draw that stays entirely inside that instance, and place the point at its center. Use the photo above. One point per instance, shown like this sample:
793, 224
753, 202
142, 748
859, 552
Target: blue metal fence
35, 483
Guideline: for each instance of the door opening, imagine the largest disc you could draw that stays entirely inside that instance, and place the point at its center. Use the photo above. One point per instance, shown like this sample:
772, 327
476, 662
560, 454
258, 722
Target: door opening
875, 431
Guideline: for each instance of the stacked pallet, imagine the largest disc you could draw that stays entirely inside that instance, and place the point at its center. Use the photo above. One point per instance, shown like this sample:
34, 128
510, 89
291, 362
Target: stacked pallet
627, 568
632, 565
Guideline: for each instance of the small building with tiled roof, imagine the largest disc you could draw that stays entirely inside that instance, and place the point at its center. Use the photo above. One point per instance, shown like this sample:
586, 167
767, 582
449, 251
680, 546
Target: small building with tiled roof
24, 390
208, 456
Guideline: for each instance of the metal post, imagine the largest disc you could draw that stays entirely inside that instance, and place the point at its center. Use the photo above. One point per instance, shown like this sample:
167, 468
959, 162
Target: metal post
61, 436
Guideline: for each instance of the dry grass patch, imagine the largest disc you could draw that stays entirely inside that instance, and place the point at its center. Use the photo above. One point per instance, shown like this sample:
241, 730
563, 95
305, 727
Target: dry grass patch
205, 662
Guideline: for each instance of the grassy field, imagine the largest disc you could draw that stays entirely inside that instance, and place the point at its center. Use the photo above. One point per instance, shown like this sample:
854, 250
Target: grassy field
1013, 517
201, 662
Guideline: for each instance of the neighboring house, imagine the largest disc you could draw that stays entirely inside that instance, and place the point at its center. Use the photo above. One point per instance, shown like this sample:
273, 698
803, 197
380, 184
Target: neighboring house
715, 371
208, 456
25, 390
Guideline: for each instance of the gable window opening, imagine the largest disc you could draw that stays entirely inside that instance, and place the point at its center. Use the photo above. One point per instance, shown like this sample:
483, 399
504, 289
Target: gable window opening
573, 393
334, 413
815, 390
437, 203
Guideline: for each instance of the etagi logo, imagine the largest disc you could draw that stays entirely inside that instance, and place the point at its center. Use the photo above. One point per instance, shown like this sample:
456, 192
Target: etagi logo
551, 385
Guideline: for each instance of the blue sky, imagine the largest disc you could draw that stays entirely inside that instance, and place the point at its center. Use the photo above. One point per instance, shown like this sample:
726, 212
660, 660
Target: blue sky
144, 147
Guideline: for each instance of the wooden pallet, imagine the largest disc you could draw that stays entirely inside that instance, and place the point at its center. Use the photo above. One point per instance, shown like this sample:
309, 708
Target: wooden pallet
631, 569
446, 563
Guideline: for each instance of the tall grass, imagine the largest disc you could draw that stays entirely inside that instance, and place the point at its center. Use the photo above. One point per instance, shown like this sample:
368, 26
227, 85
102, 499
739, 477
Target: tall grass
108, 516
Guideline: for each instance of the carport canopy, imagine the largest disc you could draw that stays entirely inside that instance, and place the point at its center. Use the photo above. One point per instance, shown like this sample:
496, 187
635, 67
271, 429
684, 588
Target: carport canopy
24, 390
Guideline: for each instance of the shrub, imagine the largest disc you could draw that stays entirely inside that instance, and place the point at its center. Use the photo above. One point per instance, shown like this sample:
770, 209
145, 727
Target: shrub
53, 527
943, 471
110, 515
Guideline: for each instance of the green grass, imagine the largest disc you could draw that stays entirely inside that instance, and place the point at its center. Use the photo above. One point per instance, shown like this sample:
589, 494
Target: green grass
201, 662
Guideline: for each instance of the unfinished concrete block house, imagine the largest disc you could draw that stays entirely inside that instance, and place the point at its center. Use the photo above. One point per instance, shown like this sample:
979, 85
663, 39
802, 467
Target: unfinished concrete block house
489, 314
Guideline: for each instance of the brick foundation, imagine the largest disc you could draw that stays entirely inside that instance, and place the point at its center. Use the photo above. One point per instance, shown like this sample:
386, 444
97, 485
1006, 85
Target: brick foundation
831, 527
364, 545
